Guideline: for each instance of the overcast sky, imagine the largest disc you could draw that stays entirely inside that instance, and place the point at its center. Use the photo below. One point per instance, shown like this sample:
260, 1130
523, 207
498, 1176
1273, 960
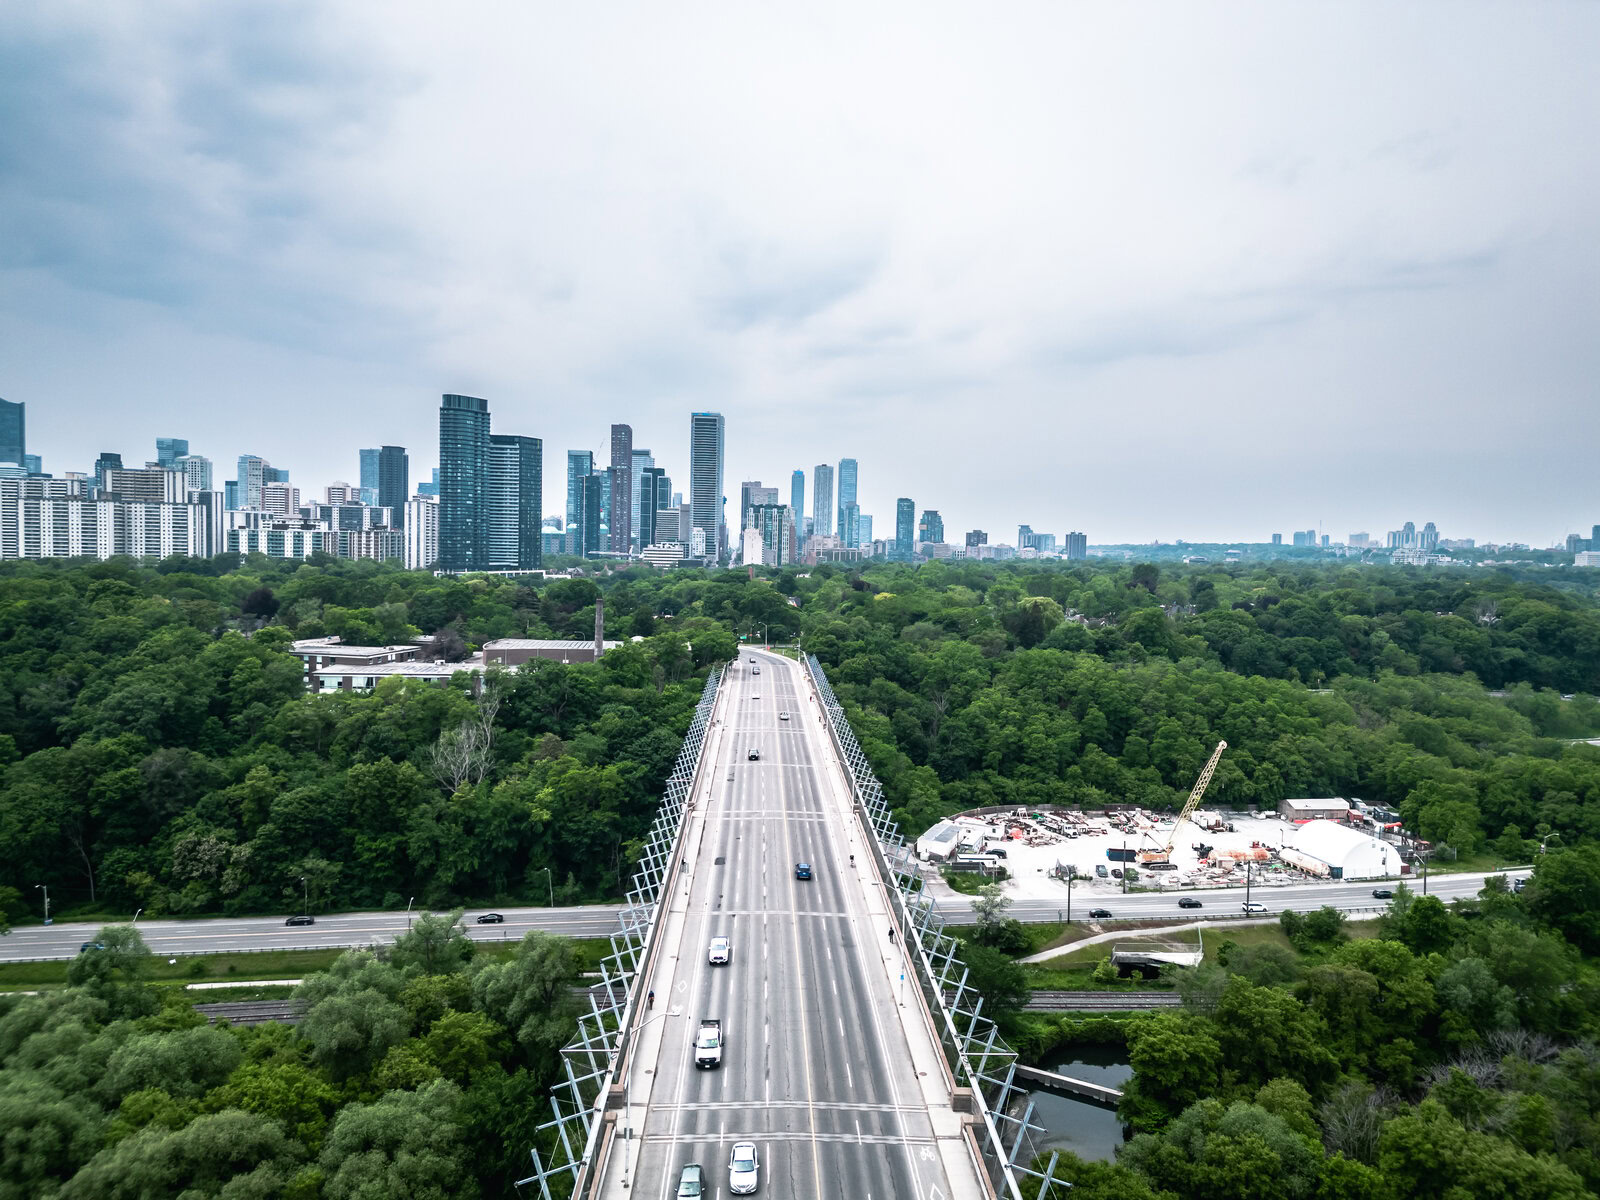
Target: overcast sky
1150, 271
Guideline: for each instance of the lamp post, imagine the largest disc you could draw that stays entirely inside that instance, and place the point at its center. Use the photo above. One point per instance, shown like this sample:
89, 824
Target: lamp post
1124, 865
409, 903
1247, 870
305, 897
45, 888
627, 1095
136, 913
1071, 875
550, 882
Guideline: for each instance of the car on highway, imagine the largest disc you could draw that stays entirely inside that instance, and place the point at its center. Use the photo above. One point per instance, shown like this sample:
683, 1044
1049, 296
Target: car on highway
783, 716
87, 946
1254, 906
744, 1169
1100, 914
802, 870
1382, 894
1190, 902
1520, 884
491, 919
692, 1182
755, 754
302, 919
756, 671
721, 952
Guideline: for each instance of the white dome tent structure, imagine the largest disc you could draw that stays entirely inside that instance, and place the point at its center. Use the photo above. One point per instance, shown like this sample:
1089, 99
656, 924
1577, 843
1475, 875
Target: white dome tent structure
1336, 851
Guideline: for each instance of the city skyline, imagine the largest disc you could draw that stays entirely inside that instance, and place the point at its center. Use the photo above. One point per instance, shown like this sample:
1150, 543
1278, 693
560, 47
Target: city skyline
1267, 301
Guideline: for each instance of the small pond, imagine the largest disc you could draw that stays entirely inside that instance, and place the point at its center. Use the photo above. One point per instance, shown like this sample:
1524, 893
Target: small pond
1087, 1131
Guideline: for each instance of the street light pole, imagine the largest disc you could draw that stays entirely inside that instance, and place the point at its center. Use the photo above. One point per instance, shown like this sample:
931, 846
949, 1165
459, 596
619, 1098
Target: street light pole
45, 888
627, 1096
550, 882
305, 897
1124, 865
136, 913
1247, 870
409, 903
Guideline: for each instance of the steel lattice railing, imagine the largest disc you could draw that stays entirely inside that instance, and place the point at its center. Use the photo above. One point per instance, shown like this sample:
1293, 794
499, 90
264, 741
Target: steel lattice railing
588, 1060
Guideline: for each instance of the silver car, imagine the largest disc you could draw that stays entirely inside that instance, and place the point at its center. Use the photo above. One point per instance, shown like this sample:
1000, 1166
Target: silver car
744, 1169
692, 1182
721, 952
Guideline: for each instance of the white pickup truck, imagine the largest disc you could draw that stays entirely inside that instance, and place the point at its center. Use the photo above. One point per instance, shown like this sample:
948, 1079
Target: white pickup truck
708, 1045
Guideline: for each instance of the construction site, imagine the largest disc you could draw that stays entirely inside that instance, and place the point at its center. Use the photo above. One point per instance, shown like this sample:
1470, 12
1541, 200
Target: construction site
1193, 848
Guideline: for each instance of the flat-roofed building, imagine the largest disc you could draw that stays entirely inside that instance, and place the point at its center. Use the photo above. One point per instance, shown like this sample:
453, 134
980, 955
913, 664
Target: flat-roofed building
354, 677
513, 652
1314, 810
317, 653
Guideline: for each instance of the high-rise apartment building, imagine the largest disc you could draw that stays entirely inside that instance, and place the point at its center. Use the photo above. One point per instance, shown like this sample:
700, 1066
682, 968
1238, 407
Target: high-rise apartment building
515, 497
154, 485
706, 433
822, 500
850, 524
107, 462
621, 489
170, 450
775, 524
1077, 545
13, 432
977, 537
905, 528
196, 470
654, 494
590, 510
931, 527
847, 495
253, 471
641, 460
580, 465
797, 500
394, 480
865, 525
1277, 539
54, 518
369, 475
463, 483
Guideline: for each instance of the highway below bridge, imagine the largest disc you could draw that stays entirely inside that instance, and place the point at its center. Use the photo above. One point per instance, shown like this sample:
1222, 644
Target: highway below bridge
169, 938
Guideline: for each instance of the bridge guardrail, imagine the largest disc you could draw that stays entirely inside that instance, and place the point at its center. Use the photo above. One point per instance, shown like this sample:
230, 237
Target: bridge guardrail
592, 1058
977, 1057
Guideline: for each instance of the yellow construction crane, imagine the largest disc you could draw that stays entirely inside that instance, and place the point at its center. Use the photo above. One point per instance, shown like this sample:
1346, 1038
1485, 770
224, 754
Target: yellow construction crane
1163, 854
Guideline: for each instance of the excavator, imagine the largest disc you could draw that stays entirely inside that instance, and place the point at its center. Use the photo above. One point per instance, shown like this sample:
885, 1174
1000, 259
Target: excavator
1159, 857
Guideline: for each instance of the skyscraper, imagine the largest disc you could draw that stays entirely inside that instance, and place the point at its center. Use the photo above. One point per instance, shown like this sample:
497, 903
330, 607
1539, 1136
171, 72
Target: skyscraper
591, 500
394, 481
622, 509
251, 474
931, 527
905, 528
13, 432
865, 525
651, 498
847, 495
797, 499
170, 450
515, 498
822, 500
196, 470
1077, 545
641, 460
977, 537
110, 461
580, 465
369, 475
705, 478
850, 523
775, 524
463, 483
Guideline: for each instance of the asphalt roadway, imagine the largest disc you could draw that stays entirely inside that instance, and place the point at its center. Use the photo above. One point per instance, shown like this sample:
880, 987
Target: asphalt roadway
834, 1081
169, 938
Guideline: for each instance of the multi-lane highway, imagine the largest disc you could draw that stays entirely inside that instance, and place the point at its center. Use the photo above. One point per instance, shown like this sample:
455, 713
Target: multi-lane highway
211, 936
62, 940
828, 1066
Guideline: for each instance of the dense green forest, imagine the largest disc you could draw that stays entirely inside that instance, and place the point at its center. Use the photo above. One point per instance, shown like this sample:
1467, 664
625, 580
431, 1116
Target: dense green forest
1452, 1056
422, 1072
160, 752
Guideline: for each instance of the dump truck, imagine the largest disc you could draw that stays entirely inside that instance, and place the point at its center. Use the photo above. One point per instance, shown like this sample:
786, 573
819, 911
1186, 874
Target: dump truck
708, 1045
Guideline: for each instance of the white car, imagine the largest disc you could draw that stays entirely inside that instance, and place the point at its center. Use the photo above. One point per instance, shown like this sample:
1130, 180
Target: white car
1254, 906
783, 716
721, 952
744, 1169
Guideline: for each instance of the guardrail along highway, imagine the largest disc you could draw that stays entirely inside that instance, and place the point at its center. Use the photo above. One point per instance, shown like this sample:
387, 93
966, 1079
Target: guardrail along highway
827, 1064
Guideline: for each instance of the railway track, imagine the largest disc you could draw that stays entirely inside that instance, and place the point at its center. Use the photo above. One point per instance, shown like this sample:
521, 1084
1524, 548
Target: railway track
250, 1012
1047, 1001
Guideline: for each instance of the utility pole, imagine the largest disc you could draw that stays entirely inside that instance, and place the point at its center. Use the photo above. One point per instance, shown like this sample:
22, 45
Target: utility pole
45, 888
1247, 871
1124, 864
305, 897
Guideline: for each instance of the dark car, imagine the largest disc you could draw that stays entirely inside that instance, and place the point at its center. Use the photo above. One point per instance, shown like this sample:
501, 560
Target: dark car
1189, 902
997, 852
1100, 914
491, 919
302, 919
91, 946
754, 755
1382, 894
802, 870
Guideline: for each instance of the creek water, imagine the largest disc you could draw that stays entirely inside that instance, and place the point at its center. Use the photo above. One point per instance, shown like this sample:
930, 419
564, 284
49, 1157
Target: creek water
1087, 1131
